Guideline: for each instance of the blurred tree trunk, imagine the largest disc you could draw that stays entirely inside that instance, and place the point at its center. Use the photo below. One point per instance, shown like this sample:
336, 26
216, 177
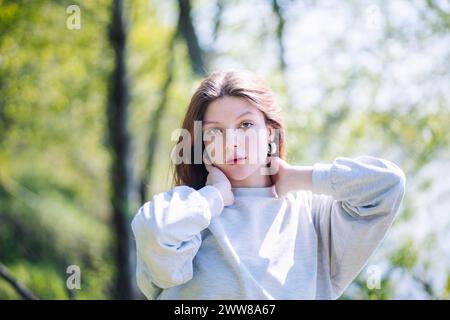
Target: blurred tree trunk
218, 19
119, 141
187, 30
280, 33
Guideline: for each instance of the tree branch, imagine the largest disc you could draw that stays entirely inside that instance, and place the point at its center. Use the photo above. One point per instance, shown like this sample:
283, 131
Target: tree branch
20, 288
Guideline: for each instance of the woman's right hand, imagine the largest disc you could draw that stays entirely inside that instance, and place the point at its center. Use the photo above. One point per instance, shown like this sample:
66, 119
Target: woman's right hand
219, 180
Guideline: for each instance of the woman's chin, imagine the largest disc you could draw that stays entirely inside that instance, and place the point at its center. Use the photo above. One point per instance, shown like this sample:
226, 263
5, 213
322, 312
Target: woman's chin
239, 172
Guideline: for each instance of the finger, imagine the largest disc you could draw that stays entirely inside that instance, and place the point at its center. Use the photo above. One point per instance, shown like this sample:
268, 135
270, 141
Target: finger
208, 167
274, 165
272, 180
275, 161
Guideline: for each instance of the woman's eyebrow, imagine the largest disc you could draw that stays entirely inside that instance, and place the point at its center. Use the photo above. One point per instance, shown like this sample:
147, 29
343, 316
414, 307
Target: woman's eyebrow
244, 114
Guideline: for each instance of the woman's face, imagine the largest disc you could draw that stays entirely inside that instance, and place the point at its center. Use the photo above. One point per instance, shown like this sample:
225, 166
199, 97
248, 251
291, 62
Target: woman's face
236, 137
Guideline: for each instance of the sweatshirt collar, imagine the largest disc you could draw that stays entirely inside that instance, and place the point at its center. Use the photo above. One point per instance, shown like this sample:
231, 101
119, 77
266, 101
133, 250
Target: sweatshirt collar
255, 192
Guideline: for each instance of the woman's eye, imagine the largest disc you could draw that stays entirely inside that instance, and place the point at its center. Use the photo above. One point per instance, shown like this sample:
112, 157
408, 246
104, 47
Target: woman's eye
246, 124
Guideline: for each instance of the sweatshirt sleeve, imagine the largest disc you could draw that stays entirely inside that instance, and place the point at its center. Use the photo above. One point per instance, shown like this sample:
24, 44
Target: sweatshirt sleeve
354, 203
167, 234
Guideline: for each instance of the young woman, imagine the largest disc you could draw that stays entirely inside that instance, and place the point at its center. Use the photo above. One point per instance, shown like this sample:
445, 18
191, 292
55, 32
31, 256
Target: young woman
242, 223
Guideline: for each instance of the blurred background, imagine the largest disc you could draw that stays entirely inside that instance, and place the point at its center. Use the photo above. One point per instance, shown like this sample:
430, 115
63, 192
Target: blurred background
90, 92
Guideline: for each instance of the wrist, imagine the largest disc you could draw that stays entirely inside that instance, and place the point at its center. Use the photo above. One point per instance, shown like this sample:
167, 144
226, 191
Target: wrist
299, 177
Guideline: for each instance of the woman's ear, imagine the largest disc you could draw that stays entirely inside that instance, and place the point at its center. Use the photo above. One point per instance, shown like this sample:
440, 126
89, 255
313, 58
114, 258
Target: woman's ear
270, 133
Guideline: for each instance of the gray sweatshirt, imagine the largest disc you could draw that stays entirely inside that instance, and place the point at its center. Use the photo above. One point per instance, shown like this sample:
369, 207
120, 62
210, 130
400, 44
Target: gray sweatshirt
305, 245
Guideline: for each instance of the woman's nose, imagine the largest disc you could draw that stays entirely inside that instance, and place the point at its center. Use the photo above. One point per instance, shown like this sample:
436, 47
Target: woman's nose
231, 139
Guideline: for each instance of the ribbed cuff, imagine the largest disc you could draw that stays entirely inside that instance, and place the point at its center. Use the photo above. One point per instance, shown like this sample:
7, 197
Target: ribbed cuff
214, 198
321, 179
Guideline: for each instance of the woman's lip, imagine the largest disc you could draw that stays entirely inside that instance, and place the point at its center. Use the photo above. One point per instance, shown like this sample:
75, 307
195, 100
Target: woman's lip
236, 160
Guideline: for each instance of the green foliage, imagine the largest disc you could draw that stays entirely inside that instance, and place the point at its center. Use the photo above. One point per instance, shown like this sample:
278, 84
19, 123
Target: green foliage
53, 179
